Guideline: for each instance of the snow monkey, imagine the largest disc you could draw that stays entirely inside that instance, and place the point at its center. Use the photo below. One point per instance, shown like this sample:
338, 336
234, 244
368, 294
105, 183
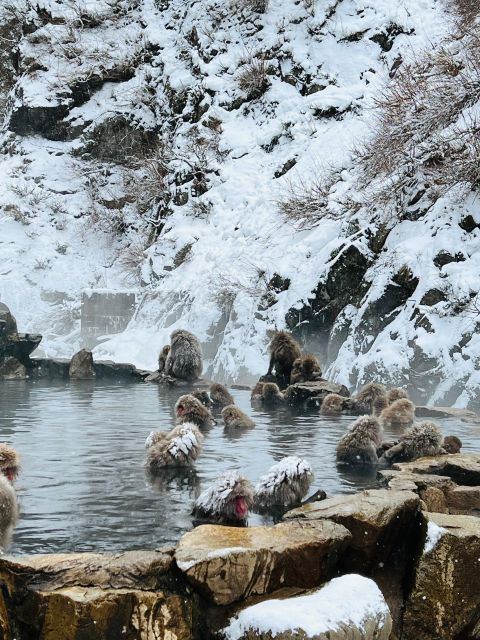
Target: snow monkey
184, 359
271, 395
332, 405
220, 395
370, 396
189, 409
257, 392
305, 369
452, 444
400, 412
9, 466
228, 500
162, 358
234, 418
397, 393
284, 350
203, 397
284, 485
178, 448
359, 445
423, 439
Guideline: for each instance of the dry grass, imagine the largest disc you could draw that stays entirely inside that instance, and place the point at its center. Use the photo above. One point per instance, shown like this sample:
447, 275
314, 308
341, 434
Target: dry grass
253, 78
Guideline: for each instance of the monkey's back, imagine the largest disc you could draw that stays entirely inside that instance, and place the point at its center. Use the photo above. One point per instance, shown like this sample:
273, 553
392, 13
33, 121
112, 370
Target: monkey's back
8, 511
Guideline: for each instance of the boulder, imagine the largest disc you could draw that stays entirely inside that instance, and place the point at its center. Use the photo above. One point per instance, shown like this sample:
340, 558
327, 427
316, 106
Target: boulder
429, 487
313, 392
21, 345
347, 608
445, 598
49, 368
81, 366
463, 500
445, 412
134, 595
384, 527
8, 324
227, 564
12, 369
462, 468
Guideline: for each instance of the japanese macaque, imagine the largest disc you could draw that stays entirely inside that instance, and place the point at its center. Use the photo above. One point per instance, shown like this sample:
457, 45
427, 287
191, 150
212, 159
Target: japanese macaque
189, 409
220, 395
396, 394
203, 397
257, 392
162, 358
228, 500
184, 359
452, 444
423, 439
9, 466
284, 350
284, 485
180, 447
332, 405
369, 396
234, 418
305, 369
359, 445
272, 396
400, 412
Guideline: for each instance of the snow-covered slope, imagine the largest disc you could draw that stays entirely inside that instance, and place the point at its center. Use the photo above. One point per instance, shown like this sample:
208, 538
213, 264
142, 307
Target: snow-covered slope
148, 145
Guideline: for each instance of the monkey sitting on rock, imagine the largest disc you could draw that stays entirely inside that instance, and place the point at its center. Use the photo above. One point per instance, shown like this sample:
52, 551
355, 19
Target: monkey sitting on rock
179, 447
228, 500
305, 369
359, 445
189, 409
234, 418
284, 485
184, 360
423, 439
284, 350
220, 396
9, 466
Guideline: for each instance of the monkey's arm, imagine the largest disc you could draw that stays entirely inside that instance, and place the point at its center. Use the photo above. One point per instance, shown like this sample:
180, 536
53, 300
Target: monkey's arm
271, 365
394, 452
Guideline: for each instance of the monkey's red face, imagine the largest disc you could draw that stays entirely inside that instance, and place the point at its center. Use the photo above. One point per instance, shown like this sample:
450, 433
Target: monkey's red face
10, 473
180, 410
241, 507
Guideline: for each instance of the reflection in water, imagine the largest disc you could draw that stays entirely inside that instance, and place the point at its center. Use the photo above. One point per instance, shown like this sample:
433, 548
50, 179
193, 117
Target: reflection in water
83, 485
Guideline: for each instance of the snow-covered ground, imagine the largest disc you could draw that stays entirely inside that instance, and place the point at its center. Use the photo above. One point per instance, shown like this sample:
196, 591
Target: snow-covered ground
70, 220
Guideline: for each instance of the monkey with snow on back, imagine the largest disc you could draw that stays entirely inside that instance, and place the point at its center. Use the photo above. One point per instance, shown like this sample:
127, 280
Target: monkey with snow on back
189, 409
359, 445
179, 447
305, 369
234, 418
184, 360
284, 485
9, 466
227, 500
220, 396
284, 350
423, 439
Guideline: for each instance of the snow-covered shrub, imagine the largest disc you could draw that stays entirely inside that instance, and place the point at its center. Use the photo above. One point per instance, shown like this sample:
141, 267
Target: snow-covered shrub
253, 78
425, 139
467, 10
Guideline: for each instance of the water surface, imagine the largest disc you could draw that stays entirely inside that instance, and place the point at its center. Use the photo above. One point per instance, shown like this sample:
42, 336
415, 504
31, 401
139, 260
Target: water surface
83, 487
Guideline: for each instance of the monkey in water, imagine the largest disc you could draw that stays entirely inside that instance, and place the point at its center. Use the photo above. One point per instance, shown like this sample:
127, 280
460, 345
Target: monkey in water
397, 393
162, 358
400, 412
189, 409
184, 360
332, 405
220, 396
234, 418
359, 445
227, 500
257, 392
284, 350
9, 466
271, 395
284, 485
203, 397
178, 448
423, 439
452, 444
305, 369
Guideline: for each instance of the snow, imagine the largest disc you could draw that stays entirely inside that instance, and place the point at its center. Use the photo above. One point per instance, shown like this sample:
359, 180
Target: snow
351, 600
217, 494
56, 237
434, 533
289, 468
189, 438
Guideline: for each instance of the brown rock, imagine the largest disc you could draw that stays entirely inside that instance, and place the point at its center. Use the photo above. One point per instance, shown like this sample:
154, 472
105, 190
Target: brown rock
434, 500
309, 391
464, 500
445, 599
227, 564
12, 369
81, 366
444, 412
462, 468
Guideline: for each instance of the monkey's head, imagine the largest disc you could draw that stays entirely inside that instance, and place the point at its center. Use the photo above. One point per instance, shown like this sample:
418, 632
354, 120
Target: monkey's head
9, 462
229, 413
271, 391
311, 365
332, 404
370, 428
166, 350
187, 405
452, 444
396, 394
228, 498
203, 397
